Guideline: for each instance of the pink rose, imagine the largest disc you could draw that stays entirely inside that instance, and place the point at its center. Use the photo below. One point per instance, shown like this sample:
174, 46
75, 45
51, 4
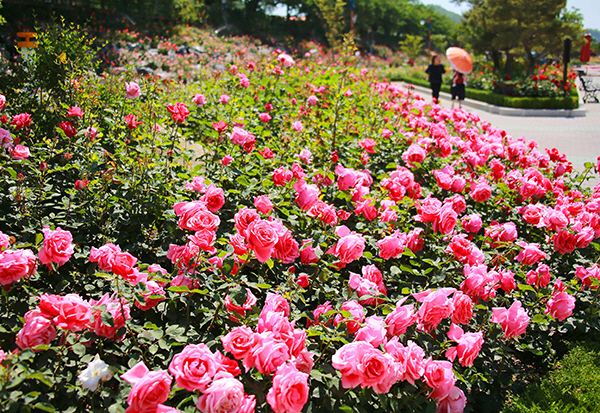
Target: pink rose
152, 289
469, 345
281, 176
415, 154
224, 395
400, 319
150, 388
57, 248
262, 237
454, 402
263, 204
264, 117
214, 198
361, 363
15, 265
195, 216
439, 376
123, 266
36, 331
19, 152
133, 90
471, 223
199, 99
297, 126
564, 241
392, 246
306, 195
349, 247
105, 256
226, 160
275, 302
368, 145
239, 342
240, 137
480, 192
73, 313
446, 220
241, 310
560, 306
286, 249
373, 331
49, 305
312, 100
346, 177
409, 361
514, 320
194, 368
462, 308
357, 316
118, 309
434, 308
289, 392
268, 354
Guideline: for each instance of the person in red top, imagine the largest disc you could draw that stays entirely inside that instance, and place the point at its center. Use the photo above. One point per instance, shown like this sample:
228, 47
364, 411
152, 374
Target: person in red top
458, 88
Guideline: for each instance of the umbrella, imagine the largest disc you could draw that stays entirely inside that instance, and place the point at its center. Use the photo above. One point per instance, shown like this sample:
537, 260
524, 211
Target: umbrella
584, 56
460, 60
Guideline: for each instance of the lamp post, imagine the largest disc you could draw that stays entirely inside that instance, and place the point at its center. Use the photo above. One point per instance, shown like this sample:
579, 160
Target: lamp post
428, 21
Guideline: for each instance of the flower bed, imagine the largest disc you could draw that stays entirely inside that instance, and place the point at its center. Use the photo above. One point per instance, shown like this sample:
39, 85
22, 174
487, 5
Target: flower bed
337, 246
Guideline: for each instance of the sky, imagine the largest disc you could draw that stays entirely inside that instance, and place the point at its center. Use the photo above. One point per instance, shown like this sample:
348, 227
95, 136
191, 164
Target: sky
589, 8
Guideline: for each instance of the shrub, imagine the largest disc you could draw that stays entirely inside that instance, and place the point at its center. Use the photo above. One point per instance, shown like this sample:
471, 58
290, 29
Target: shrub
572, 386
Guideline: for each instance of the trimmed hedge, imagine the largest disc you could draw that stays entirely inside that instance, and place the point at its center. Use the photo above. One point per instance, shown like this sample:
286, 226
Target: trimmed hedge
567, 102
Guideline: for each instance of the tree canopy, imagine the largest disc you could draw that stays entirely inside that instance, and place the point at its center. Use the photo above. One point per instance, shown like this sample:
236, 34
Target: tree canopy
529, 28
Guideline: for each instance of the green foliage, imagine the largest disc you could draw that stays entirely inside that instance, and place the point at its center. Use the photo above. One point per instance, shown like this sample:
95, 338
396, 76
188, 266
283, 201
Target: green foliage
411, 45
528, 28
573, 385
331, 13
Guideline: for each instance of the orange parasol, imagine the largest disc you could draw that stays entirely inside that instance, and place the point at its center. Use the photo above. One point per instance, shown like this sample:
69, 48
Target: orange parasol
460, 60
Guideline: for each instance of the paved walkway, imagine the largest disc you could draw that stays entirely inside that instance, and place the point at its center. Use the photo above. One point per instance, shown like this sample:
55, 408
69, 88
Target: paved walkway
577, 137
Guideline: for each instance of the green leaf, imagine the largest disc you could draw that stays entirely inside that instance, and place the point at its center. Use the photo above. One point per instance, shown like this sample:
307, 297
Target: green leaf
269, 263
263, 286
539, 319
242, 180
107, 319
526, 287
79, 349
44, 407
238, 296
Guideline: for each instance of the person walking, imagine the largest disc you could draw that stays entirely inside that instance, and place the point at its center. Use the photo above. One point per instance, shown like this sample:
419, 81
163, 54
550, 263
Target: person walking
435, 72
458, 88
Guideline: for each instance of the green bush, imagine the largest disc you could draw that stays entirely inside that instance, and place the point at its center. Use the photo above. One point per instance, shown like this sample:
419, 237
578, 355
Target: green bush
573, 386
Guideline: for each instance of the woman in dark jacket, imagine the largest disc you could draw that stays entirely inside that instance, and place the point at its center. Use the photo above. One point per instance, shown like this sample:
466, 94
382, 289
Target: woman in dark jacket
435, 71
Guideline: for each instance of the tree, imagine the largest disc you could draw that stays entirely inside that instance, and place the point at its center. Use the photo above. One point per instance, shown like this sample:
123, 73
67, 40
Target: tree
531, 28
411, 45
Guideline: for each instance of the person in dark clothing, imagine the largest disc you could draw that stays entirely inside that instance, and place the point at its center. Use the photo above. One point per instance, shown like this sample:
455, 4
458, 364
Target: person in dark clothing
458, 88
435, 71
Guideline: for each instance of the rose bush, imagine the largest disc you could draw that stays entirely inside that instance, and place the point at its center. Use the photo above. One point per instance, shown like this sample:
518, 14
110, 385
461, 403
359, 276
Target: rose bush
320, 267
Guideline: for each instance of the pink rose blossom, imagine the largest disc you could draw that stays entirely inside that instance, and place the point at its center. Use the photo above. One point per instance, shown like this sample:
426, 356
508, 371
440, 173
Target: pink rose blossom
199, 99
469, 345
514, 320
133, 90
224, 395
194, 367
57, 248
16, 264
560, 306
290, 390
36, 331
19, 152
439, 376
454, 402
150, 388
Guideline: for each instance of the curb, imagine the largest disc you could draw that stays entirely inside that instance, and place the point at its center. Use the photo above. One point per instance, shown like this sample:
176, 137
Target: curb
499, 110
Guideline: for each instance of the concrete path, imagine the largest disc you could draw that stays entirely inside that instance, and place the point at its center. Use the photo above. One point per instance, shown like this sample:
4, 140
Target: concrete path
576, 137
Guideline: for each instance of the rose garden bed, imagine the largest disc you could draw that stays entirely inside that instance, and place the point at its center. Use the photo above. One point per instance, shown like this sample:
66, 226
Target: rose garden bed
338, 245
